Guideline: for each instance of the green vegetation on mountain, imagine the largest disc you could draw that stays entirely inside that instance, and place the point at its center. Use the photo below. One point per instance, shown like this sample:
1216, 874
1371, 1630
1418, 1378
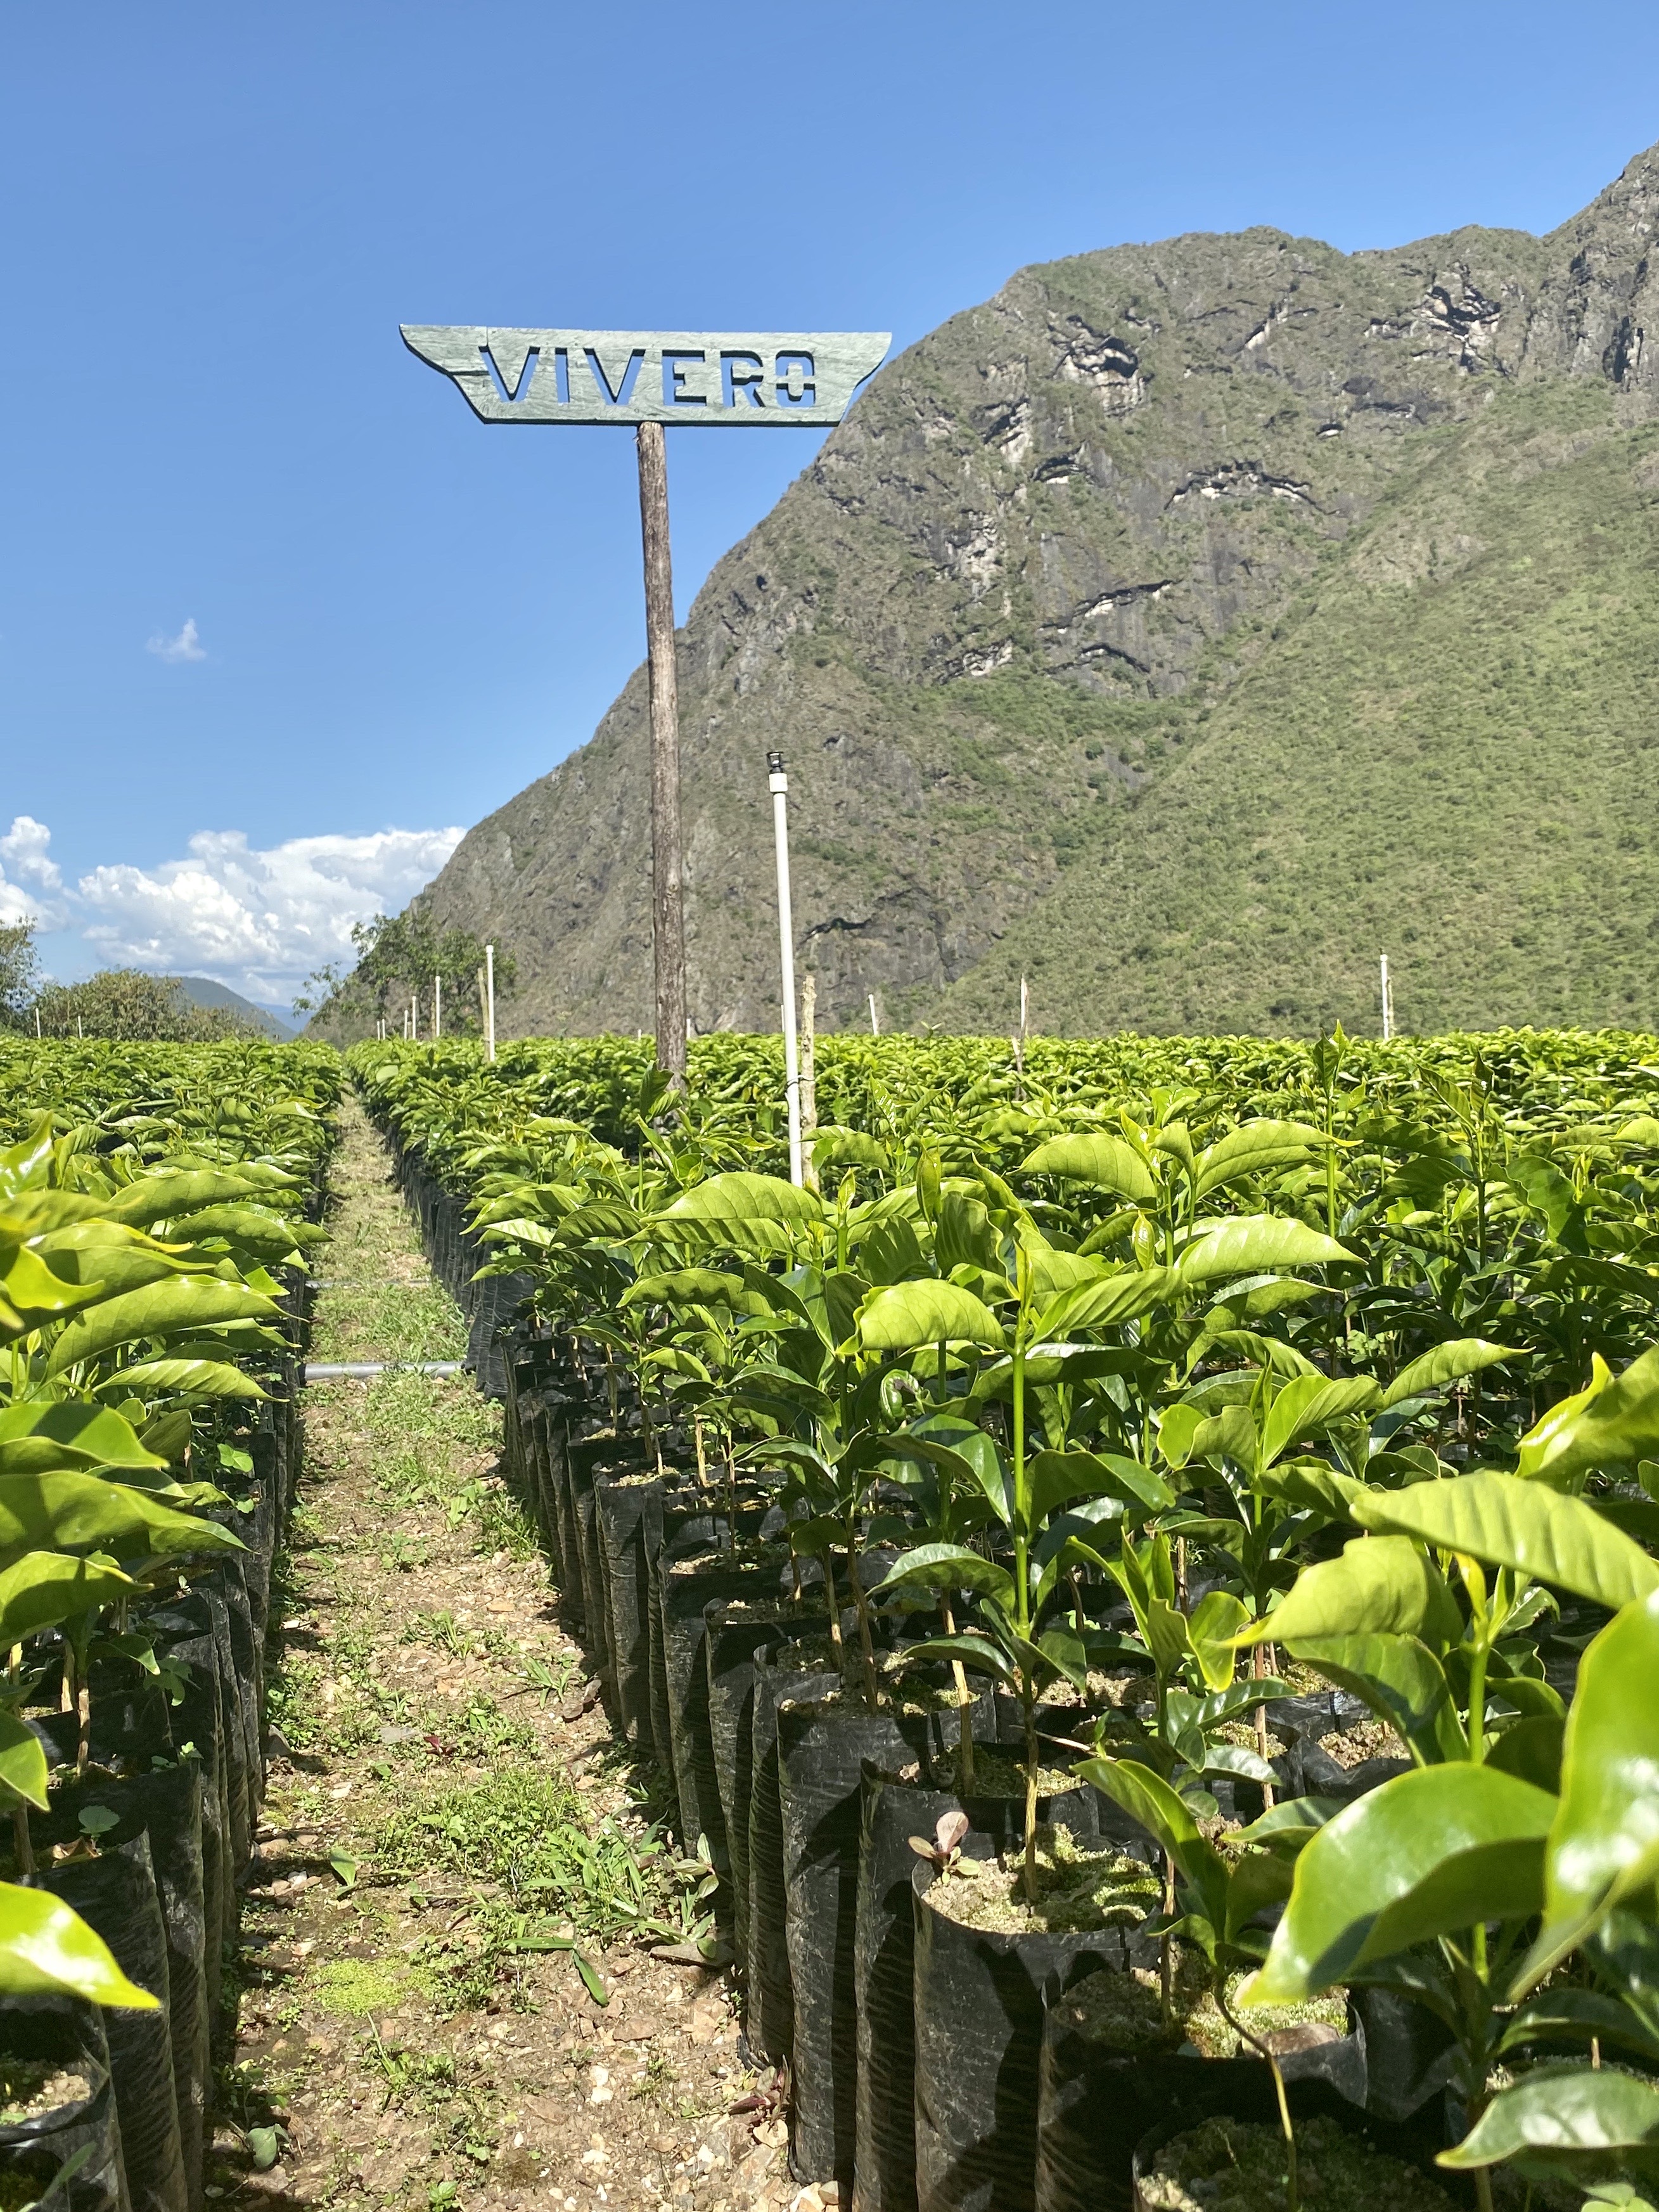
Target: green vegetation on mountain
1182, 629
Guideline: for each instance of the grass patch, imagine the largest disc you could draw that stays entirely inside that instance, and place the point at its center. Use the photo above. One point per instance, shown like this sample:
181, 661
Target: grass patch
350, 1988
524, 1831
547, 1883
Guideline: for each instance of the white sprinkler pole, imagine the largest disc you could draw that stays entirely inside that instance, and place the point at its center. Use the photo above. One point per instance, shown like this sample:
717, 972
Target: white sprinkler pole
490, 1001
875, 1026
437, 1006
1388, 1002
779, 784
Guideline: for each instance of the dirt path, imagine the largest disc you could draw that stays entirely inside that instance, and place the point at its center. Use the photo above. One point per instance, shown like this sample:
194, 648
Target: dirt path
448, 1804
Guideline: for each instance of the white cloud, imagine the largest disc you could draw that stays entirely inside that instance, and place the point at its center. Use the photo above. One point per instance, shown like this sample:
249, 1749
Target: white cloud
257, 921
25, 861
187, 645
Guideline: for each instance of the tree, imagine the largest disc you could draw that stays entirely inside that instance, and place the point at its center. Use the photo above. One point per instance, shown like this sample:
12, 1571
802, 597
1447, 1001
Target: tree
137, 1007
398, 956
20, 971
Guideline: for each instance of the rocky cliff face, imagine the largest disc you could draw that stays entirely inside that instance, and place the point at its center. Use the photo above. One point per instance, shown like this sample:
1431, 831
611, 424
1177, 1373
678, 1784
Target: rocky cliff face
994, 618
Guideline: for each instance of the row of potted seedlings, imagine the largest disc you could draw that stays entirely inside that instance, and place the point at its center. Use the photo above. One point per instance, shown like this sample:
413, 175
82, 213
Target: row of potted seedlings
152, 1331
1202, 1813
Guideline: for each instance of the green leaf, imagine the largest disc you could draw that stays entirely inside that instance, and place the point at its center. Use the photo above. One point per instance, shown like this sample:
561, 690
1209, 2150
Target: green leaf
196, 1378
22, 1761
831, 1147
1613, 1426
272, 1240
1429, 1853
696, 1286
1177, 1431
1059, 1478
47, 1950
1380, 1585
1213, 1623
951, 1567
73, 1512
740, 1213
1310, 1485
34, 1435
31, 1292
970, 1650
1307, 1404
1104, 1162
164, 1197
1445, 1362
1290, 1822
592, 1981
1403, 1682
1256, 1148
1253, 1244
1507, 1523
1106, 1303
911, 1316
265, 2148
161, 1309
43, 1588
1566, 2110
1563, 2011
1531, 1747
345, 1868
1604, 1843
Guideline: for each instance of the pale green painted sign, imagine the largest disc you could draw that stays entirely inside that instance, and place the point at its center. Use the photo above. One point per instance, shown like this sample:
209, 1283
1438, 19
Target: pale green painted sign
740, 379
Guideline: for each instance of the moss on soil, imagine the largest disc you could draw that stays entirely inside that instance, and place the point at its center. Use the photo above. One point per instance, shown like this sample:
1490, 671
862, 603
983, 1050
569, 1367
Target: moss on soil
997, 1772
1079, 1891
1124, 2012
1234, 2166
1352, 1747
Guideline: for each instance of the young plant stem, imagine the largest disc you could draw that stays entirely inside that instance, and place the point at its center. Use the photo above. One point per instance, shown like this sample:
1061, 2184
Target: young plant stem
1166, 1948
866, 1643
834, 1612
22, 1848
1292, 2191
964, 1703
1260, 1665
1028, 1699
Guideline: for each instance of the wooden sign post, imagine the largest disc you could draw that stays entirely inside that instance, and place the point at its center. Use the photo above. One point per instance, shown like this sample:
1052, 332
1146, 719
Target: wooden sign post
739, 379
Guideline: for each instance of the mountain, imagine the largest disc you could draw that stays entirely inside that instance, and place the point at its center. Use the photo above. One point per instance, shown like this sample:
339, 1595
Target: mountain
201, 991
1182, 629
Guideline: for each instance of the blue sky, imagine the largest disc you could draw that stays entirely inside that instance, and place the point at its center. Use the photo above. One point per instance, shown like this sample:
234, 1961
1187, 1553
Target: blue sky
215, 219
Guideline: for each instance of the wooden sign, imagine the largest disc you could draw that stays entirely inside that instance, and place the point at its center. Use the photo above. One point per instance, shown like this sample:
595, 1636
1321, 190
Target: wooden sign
738, 378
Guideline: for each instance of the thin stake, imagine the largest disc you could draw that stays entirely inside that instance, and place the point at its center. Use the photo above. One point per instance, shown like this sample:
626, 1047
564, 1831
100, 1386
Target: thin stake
778, 783
875, 1026
489, 1002
1387, 1001
809, 1062
668, 909
437, 1006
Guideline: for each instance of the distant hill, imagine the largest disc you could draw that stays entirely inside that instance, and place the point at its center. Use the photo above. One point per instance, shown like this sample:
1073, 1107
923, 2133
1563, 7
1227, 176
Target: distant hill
201, 991
1182, 629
